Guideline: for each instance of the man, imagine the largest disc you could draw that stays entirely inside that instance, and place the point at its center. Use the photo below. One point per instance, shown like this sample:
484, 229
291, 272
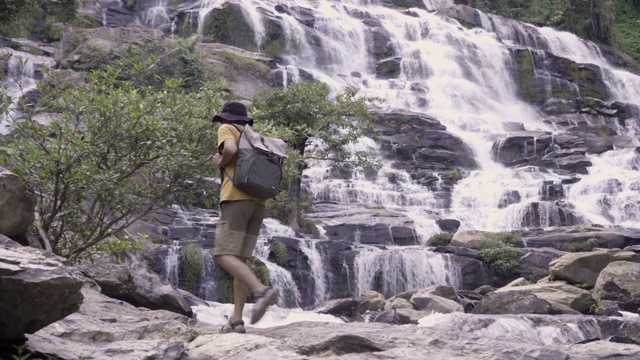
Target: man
240, 219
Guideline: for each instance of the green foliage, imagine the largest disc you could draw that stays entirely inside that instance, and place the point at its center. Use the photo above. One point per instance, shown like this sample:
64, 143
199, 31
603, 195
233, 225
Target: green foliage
113, 154
440, 239
228, 26
452, 176
191, 264
21, 353
180, 61
281, 254
582, 286
316, 127
117, 248
595, 308
496, 251
512, 239
20, 18
309, 227
584, 246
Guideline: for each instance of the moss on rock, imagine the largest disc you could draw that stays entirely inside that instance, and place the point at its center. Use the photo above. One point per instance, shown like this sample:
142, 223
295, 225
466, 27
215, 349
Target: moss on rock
228, 26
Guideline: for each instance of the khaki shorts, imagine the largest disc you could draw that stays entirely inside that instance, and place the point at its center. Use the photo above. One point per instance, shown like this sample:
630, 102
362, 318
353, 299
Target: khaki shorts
238, 228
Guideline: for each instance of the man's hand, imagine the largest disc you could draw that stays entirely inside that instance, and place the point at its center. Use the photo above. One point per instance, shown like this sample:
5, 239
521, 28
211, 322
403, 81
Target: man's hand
216, 160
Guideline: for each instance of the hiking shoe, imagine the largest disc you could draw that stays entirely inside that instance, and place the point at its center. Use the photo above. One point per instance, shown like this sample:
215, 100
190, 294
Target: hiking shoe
263, 301
233, 326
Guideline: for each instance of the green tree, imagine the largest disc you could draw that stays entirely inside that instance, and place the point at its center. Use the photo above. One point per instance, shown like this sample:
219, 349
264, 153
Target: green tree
111, 154
317, 127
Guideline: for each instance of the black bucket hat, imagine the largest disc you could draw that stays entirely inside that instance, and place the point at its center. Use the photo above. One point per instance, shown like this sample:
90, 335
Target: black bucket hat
233, 111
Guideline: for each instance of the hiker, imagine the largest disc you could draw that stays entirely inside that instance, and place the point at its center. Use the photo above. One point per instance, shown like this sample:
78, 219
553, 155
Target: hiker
240, 219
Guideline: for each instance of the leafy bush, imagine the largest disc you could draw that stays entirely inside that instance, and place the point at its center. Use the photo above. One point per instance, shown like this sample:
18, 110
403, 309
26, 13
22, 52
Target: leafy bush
500, 256
281, 254
584, 246
191, 264
113, 154
440, 239
507, 238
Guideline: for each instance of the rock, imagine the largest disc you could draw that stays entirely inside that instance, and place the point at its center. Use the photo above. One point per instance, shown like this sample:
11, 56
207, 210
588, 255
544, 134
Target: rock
109, 328
370, 301
467, 238
517, 282
399, 303
619, 281
380, 46
426, 301
518, 302
535, 263
134, 283
557, 292
389, 68
584, 268
521, 147
17, 204
37, 289
410, 316
345, 308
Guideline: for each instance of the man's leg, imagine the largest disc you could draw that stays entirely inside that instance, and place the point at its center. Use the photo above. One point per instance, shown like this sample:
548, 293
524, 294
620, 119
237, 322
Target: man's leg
241, 272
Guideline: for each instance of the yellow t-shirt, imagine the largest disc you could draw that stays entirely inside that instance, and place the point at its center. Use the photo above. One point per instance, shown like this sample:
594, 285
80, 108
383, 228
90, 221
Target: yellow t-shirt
228, 192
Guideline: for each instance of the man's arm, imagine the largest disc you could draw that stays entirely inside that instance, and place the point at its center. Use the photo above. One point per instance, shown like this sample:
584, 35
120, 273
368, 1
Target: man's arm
229, 150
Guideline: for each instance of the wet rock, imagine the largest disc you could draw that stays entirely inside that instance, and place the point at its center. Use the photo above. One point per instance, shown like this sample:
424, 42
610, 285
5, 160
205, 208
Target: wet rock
37, 289
389, 68
584, 268
619, 281
559, 292
517, 302
17, 204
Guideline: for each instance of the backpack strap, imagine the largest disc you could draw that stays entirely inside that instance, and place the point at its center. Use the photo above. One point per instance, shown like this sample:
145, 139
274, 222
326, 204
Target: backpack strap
222, 171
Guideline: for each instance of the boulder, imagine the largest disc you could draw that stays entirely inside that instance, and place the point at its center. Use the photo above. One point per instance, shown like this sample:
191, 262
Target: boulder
620, 282
534, 264
389, 68
370, 301
37, 289
345, 308
426, 301
584, 267
518, 302
17, 204
558, 292
467, 238
134, 283
107, 328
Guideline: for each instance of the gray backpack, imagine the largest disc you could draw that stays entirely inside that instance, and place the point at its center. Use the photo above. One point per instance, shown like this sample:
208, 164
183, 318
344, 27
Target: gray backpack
259, 161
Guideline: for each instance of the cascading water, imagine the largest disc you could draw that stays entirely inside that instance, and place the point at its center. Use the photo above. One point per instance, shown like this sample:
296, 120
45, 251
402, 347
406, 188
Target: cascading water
398, 269
20, 79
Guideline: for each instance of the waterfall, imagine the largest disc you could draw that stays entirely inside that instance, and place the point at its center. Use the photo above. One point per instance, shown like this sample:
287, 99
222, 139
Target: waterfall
398, 269
172, 263
21, 78
279, 278
308, 247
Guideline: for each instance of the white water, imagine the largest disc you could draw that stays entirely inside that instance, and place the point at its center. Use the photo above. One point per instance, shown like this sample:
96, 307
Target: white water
171, 263
19, 79
218, 314
398, 269
513, 328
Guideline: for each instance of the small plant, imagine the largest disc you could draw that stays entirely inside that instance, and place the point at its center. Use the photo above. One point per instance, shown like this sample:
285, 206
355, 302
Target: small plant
118, 248
21, 353
452, 176
191, 264
439, 239
595, 308
309, 227
281, 254
500, 256
584, 246
512, 239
